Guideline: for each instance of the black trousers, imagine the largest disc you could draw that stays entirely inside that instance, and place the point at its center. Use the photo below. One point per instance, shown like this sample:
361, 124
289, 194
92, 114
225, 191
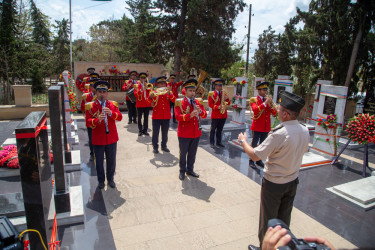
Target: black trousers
89, 132
258, 138
188, 151
110, 156
217, 126
132, 111
156, 124
276, 201
173, 114
143, 111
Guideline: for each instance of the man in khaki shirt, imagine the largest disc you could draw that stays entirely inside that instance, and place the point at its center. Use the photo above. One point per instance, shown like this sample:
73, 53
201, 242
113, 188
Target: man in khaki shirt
283, 151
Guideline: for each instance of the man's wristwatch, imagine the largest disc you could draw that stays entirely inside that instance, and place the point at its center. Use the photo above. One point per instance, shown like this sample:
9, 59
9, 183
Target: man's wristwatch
242, 142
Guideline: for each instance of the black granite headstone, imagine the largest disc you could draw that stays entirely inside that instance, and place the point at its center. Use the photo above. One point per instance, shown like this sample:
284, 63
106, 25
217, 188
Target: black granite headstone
369, 105
62, 200
67, 153
35, 172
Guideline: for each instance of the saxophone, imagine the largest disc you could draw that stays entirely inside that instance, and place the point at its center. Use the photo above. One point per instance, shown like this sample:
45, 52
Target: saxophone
223, 103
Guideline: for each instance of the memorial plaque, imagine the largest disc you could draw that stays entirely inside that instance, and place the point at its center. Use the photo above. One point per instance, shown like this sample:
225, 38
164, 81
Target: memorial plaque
329, 105
115, 81
279, 89
369, 105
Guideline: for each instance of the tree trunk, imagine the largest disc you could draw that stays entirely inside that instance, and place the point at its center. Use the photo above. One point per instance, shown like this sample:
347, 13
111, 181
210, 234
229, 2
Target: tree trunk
180, 41
354, 56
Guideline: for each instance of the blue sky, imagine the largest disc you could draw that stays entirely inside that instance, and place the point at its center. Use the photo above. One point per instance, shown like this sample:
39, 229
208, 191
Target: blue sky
86, 13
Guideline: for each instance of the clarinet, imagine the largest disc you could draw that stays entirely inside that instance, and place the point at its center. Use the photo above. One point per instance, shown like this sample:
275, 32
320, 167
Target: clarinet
198, 117
105, 118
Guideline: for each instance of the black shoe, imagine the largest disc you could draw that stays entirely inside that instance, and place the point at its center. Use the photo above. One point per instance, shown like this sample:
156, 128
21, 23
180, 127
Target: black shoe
146, 133
252, 247
155, 151
260, 164
192, 173
182, 176
252, 164
174, 121
140, 133
135, 122
101, 185
129, 122
212, 145
219, 144
91, 157
112, 184
165, 149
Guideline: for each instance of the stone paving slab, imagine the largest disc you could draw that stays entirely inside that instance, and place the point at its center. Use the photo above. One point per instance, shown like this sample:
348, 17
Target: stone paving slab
152, 209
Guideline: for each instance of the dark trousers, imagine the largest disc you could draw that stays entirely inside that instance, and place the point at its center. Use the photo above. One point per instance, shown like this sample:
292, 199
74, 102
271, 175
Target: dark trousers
258, 138
110, 156
89, 132
217, 126
172, 107
143, 111
156, 124
132, 111
188, 151
276, 201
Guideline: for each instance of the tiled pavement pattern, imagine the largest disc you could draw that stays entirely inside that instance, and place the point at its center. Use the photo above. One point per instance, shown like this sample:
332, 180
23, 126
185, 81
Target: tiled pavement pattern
153, 209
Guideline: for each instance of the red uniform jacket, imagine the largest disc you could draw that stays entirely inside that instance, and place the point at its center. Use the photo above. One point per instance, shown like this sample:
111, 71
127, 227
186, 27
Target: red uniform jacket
214, 102
142, 95
99, 136
128, 85
263, 111
161, 106
86, 98
188, 127
80, 83
174, 86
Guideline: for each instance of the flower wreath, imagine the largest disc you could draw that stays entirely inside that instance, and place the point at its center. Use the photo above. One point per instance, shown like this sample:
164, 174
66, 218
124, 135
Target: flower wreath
242, 83
361, 129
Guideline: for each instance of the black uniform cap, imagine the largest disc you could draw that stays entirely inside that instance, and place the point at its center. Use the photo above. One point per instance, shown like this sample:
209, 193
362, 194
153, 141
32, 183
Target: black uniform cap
291, 101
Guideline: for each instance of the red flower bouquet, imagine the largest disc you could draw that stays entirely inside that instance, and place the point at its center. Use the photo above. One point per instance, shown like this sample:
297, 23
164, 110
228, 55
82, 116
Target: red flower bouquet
361, 129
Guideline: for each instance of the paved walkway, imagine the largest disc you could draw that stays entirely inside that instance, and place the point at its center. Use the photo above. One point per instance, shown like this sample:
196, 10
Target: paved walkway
152, 209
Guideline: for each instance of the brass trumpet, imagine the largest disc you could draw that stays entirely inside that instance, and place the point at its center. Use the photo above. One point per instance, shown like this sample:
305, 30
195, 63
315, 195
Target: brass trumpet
149, 86
223, 102
273, 104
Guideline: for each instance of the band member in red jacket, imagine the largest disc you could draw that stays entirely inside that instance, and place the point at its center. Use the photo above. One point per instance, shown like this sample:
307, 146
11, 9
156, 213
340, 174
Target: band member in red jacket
262, 109
101, 116
161, 114
174, 88
86, 98
142, 93
130, 102
188, 113
217, 101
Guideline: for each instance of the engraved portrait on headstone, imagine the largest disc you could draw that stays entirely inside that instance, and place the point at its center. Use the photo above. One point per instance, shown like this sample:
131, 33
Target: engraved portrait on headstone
280, 88
329, 105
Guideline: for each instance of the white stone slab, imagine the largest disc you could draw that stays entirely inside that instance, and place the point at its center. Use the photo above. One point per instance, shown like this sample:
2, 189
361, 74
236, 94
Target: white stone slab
76, 162
227, 127
360, 192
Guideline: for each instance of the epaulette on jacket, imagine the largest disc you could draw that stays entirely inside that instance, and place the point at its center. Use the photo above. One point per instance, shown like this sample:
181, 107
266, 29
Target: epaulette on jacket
200, 100
115, 103
178, 102
84, 96
277, 127
211, 93
253, 99
88, 106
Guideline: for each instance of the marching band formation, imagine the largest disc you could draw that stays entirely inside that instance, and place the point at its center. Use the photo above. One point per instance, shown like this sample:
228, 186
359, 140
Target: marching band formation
163, 99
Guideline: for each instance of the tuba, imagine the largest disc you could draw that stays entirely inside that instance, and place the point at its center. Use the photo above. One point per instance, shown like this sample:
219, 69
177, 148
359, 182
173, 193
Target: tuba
202, 75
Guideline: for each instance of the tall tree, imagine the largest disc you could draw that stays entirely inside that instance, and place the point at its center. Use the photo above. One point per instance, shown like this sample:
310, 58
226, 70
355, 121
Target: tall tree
61, 46
192, 26
8, 45
41, 32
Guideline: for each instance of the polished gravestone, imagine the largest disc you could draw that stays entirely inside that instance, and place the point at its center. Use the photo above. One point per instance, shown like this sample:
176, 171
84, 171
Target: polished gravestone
62, 200
35, 172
